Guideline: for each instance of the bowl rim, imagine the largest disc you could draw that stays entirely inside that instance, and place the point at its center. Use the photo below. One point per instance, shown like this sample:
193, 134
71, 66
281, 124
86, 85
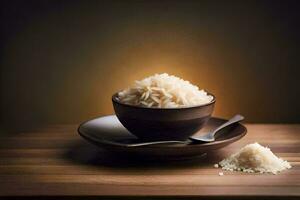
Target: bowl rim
115, 100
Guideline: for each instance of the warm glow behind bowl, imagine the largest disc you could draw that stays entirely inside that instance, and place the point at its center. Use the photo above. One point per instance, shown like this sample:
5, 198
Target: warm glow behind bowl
162, 123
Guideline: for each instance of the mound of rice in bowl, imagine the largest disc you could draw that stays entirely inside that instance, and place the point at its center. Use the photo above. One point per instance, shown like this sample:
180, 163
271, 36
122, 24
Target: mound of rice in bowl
164, 91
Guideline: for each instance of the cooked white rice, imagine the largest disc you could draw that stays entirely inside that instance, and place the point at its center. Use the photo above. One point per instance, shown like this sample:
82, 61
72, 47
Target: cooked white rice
164, 91
255, 158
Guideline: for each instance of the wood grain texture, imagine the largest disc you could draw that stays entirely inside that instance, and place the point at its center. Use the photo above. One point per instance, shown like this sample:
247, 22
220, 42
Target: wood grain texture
55, 161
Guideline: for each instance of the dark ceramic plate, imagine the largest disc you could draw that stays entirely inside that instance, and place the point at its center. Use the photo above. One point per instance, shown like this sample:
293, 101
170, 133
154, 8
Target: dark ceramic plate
108, 133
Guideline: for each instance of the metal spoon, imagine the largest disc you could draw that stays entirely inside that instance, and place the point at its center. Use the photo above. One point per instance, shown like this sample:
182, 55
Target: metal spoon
209, 137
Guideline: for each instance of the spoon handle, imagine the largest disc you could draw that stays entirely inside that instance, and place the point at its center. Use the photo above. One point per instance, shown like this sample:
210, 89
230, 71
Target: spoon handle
235, 119
96, 141
157, 143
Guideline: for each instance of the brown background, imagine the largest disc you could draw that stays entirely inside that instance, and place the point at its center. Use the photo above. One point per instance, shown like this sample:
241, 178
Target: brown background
62, 60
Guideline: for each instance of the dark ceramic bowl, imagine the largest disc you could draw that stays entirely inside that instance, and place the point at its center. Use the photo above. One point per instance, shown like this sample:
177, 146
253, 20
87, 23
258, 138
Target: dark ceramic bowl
162, 123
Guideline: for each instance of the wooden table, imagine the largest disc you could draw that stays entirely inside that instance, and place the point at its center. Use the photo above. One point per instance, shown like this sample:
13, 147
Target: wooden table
55, 161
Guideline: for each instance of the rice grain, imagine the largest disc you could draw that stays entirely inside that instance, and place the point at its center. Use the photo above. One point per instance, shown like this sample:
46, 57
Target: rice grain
164, 91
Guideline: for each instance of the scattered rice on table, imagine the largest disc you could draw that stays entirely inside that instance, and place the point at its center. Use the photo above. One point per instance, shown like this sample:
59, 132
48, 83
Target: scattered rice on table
255, 158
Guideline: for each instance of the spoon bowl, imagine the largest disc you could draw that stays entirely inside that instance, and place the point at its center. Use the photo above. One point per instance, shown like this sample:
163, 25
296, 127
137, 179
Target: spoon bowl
210, 136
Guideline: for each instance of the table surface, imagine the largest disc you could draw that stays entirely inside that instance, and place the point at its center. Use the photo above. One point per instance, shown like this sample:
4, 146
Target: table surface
55, 161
